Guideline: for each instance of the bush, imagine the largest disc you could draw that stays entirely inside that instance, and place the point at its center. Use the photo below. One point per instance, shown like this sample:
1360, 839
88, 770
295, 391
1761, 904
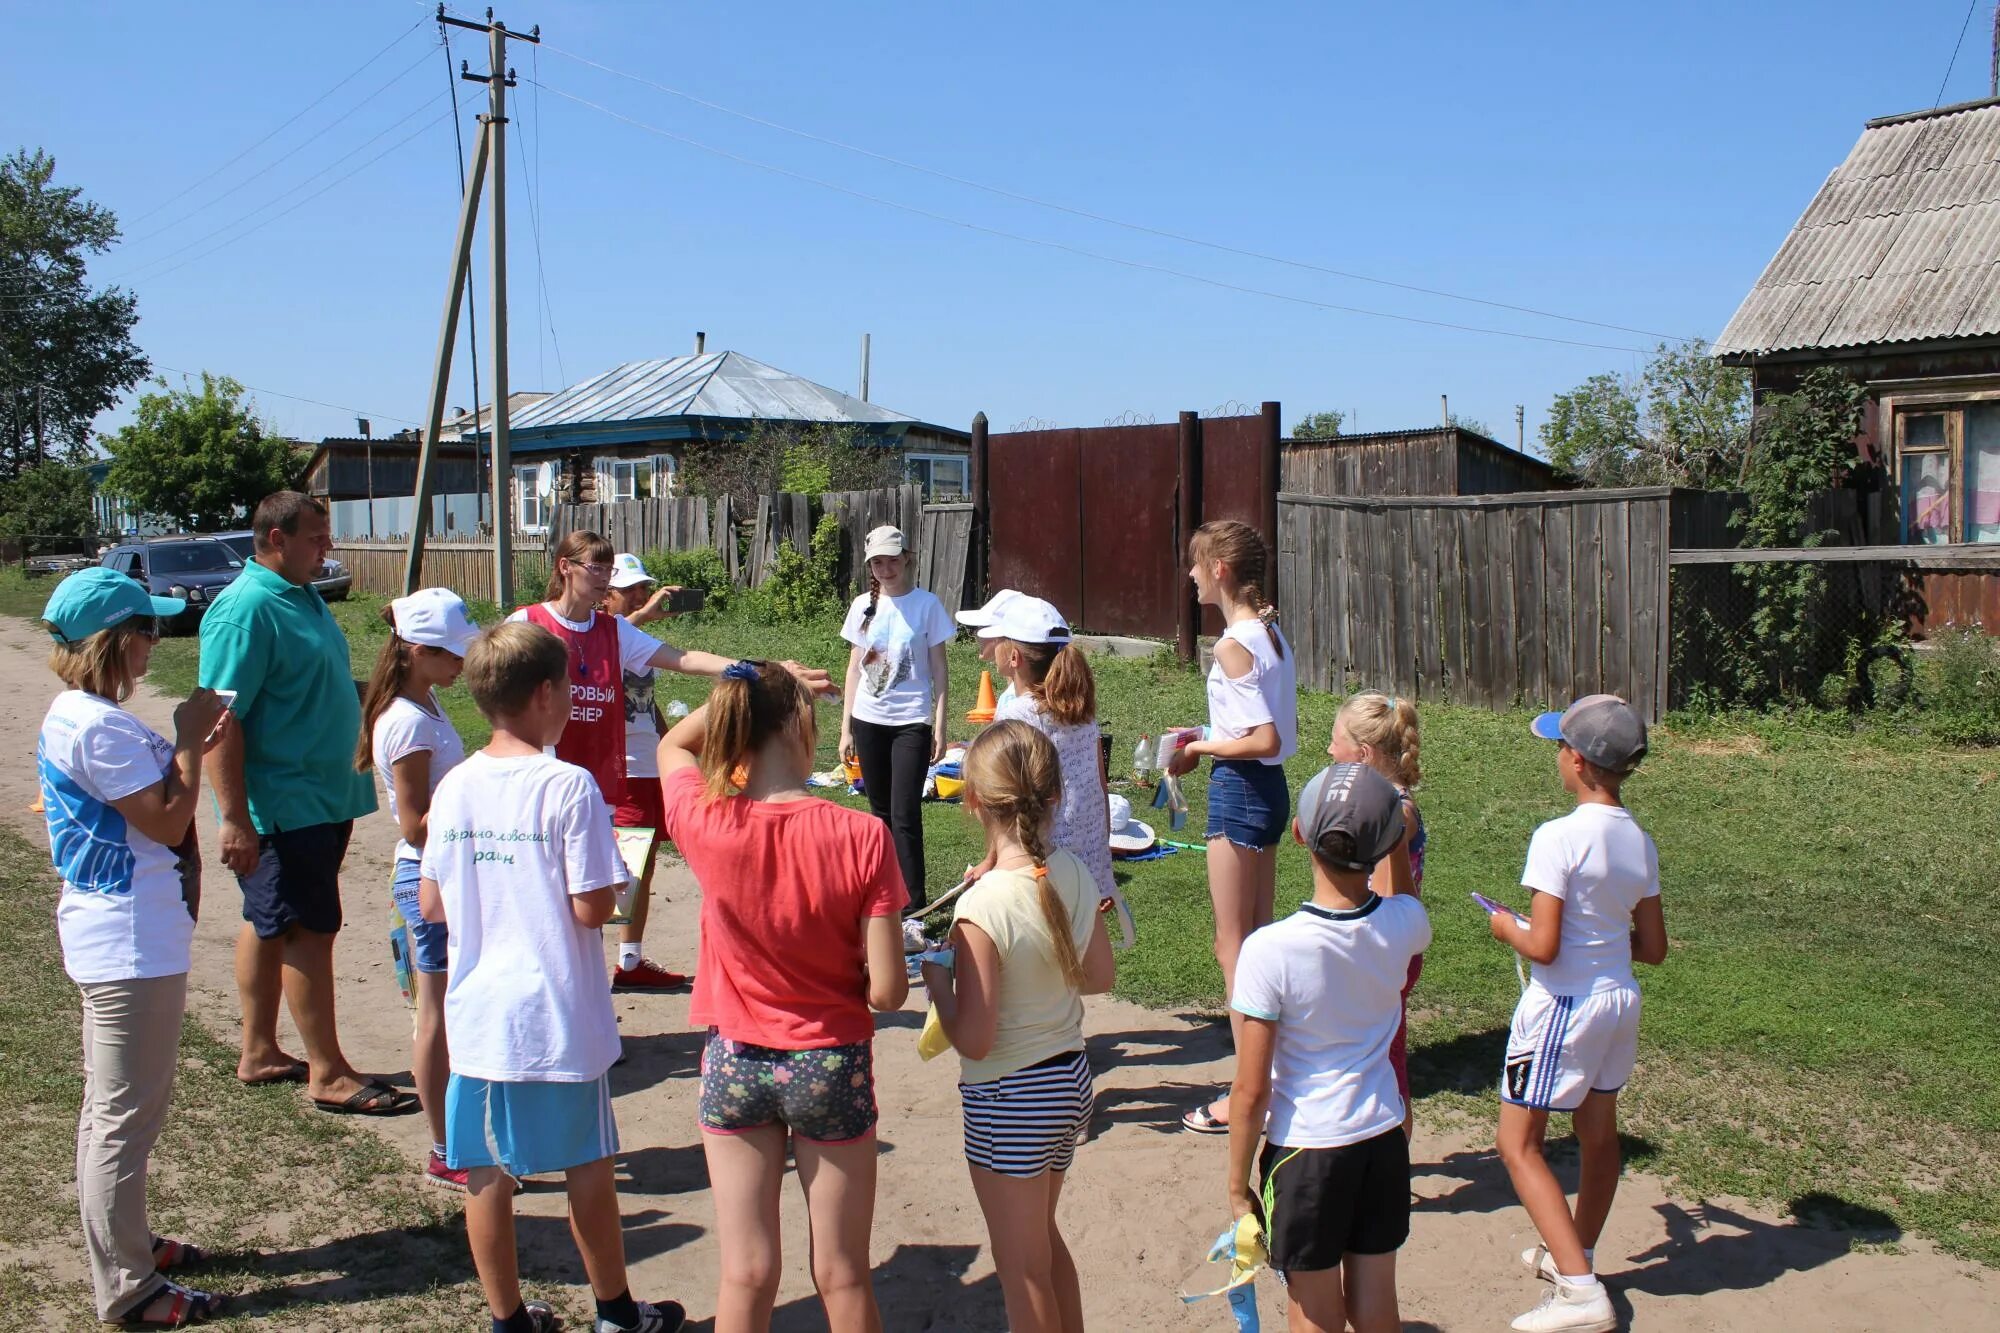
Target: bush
1958, 686
804, 587
700, 568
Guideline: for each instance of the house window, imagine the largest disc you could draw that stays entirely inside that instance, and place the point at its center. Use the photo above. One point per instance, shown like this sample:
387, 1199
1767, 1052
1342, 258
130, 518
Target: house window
655, 478
533, 498
943, 476
1948, 473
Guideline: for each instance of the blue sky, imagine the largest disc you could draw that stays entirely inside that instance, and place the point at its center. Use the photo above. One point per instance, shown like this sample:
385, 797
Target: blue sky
1632, 165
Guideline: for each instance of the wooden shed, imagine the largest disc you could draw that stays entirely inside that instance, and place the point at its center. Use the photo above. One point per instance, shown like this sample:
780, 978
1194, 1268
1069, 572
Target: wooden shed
1440, 460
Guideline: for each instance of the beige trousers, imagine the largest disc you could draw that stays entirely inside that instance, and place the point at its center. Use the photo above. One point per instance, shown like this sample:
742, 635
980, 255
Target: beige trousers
131, 1046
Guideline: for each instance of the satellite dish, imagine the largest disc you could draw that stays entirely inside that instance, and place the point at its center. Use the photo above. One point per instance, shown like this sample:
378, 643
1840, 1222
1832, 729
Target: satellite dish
545, 479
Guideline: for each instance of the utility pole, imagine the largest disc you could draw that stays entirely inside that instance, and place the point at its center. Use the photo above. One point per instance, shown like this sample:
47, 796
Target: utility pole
1520, 428
1993, 86
489, 158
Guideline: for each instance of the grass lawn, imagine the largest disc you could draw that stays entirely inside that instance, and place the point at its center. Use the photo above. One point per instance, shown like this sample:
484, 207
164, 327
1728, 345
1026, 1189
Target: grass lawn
1822, 1035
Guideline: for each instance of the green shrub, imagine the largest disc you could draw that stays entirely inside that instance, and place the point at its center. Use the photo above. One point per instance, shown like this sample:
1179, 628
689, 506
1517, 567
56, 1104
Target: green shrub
700, 568
803, 587
1958, 686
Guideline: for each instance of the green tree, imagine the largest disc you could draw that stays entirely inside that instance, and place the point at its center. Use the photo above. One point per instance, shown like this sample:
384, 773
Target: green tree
801, 457
1683, 421
200, 457
1473, 424
66, 352
48, 499
1319, 425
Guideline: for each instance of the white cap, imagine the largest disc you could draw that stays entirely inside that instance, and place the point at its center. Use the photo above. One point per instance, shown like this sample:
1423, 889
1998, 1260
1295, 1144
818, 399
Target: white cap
434, 618
884, 540
1028, 620
982, 616
627, 571
1128, 835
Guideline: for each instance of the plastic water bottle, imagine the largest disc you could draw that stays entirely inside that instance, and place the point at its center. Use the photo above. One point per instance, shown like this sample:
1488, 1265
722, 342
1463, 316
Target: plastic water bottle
1142, 758
677, 709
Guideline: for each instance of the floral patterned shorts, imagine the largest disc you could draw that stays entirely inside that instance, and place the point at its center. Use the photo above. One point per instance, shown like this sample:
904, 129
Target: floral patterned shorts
826, 1094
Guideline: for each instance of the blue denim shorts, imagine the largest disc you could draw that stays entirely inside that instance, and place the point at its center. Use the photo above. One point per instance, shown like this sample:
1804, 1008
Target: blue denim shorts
427, 938
1248, 802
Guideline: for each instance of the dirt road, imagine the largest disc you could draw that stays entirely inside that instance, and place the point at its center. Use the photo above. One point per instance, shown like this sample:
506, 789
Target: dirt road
1143, 1199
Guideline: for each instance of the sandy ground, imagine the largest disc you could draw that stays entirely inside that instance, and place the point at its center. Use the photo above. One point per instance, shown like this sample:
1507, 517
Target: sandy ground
1143, 1199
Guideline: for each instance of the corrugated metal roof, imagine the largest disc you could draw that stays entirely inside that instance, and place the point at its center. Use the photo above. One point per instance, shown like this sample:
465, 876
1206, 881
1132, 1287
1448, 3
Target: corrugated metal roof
715, 384
1901, 244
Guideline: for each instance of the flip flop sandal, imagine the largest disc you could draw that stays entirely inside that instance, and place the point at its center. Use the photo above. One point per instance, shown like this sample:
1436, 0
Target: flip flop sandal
1202, 1121
172, 1254
375, 1098
186, 1306
296, 1072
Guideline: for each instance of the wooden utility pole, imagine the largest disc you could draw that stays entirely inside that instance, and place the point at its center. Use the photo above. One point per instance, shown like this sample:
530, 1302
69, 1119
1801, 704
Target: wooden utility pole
489, 158
1993, 84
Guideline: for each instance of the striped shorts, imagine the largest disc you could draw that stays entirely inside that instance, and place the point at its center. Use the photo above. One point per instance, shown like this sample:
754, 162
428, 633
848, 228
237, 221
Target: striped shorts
1029, 1121
1562, 1048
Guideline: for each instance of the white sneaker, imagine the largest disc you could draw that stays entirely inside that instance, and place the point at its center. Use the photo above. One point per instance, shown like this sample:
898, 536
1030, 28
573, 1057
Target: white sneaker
1540, 1262
1567, 1309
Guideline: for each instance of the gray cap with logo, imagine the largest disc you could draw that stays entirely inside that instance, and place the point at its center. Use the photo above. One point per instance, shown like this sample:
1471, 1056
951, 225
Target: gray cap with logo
1350, 816
1602, 728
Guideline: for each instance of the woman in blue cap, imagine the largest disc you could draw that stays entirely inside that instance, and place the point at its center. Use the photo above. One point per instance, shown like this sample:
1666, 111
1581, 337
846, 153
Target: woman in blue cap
120, 802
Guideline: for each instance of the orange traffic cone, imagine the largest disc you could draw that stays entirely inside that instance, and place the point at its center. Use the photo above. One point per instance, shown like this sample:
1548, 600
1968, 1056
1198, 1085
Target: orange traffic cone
982, 711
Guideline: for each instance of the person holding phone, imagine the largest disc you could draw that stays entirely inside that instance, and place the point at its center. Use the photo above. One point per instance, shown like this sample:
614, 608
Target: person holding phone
120, 800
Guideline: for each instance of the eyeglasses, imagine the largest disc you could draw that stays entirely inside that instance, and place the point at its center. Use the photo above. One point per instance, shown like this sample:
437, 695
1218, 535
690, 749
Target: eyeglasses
602, 571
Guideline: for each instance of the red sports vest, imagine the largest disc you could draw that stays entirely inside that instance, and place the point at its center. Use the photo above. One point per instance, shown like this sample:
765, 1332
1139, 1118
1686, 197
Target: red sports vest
594, 740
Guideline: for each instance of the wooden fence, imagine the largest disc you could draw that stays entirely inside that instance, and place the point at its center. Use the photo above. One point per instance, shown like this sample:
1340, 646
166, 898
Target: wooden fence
464, 567
1538, 597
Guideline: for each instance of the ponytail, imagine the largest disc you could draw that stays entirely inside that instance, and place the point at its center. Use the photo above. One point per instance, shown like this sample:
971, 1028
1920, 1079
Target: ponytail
1060, 679
1013, 772
1238, 546
753, 702
874, 596
385, 682
1389, 726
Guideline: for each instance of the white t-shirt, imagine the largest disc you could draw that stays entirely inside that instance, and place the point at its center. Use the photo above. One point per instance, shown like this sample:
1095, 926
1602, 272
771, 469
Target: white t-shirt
123, 914
1333, 983
636, 648
1267, 692
642, 724
895, 649
1083, 820
511, 840
402, 730
1600, 863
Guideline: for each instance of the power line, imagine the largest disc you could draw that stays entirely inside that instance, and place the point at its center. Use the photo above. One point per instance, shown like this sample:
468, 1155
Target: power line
155, 277
1939, 100
290, 153
1079, 250
544, 311
186, 190
1073, 211
134, 273
338, 407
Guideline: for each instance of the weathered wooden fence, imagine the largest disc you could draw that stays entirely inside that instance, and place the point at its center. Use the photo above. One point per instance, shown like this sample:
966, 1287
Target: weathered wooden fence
642, 525
1538, 597
464, 567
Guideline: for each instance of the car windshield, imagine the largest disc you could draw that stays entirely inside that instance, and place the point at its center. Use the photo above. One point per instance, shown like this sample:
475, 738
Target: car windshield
242, 544
190, 558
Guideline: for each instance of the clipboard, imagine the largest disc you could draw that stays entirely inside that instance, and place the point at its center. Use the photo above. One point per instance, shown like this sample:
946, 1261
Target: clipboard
635, 846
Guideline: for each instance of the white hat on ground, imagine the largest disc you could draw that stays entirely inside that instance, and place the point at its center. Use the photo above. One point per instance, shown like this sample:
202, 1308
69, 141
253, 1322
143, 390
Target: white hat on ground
434, 618
1028, 620
1129, 835
628, 571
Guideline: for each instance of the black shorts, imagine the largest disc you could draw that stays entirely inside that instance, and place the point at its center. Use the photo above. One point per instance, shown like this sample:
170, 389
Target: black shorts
297, 880
1323, 1203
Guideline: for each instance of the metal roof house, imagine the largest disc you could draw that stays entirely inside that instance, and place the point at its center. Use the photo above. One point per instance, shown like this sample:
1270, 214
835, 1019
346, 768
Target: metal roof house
624, 433
1893, 274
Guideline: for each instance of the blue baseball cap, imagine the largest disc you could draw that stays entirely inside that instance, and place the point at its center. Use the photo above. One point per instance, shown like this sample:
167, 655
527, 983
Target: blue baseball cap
96, 599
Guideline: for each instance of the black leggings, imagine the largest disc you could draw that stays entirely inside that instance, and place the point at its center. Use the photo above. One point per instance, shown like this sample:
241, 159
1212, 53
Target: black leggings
894, 763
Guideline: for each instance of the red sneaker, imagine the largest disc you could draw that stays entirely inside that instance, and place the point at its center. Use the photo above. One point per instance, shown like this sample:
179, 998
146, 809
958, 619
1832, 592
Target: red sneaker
648, 975
437, 1173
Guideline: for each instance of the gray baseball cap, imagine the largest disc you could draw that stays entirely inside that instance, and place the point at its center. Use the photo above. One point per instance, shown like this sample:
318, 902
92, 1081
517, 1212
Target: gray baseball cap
1355, 801
1602, 728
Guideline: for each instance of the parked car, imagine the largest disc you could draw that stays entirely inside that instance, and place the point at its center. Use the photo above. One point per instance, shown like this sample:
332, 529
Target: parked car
333, 582
194, 568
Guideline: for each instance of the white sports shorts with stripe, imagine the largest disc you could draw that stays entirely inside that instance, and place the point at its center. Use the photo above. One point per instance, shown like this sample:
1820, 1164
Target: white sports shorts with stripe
1029, 1121
1561, 1048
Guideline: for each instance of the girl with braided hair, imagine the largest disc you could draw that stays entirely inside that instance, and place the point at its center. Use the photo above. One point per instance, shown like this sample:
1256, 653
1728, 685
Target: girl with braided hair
1253, 726
1027, 946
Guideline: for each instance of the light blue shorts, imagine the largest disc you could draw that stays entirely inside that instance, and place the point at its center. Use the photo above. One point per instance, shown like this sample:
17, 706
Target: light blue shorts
529, 1129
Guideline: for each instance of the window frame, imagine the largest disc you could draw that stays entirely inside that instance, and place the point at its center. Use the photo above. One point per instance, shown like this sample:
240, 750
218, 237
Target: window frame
928, 479
526, 490
1951, 405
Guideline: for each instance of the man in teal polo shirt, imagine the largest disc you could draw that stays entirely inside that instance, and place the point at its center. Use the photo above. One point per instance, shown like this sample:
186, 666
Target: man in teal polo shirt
286, 787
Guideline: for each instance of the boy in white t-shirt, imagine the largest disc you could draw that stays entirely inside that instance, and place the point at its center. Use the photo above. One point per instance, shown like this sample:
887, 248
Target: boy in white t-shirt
1595, 876
1321, 996
522, 865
